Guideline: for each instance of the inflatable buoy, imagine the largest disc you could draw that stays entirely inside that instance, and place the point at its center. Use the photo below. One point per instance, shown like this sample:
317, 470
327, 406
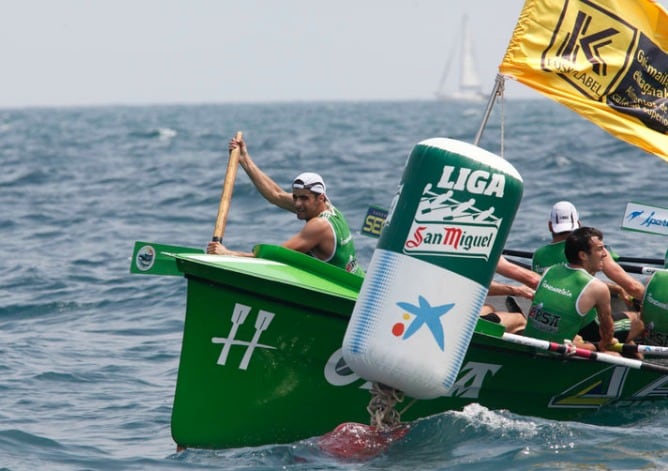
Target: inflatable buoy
435, 258
355, 441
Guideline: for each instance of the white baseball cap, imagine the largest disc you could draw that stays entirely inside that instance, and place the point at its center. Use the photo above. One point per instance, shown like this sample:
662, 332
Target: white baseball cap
309, 181
564, 217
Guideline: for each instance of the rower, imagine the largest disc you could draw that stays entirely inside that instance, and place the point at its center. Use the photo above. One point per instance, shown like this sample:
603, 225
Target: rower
325, 234
655, 309
564, 219
570, 297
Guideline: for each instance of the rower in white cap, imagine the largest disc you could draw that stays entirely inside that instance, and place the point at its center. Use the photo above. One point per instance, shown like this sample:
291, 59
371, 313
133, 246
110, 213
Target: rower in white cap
326, 234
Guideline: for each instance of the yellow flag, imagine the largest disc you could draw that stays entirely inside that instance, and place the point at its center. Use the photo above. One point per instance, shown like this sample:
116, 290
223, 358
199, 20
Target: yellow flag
605, 59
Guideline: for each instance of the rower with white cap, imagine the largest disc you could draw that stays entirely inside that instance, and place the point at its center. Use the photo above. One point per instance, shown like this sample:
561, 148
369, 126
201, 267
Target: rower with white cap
326, 234
564, 219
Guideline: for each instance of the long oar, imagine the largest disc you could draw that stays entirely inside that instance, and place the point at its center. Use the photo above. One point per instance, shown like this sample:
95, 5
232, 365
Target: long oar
150, 258
641, 270
583, 353
518, 253
226, 197
630, 349
649, 261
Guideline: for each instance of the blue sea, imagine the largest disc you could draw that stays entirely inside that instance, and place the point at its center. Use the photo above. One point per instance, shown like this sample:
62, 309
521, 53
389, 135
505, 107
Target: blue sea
89, 353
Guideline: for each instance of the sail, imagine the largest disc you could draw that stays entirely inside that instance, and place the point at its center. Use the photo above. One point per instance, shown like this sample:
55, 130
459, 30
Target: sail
605, 59
469, 81
469, 86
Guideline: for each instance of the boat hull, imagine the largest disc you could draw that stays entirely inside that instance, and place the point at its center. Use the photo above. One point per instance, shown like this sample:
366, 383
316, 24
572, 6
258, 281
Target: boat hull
261, 361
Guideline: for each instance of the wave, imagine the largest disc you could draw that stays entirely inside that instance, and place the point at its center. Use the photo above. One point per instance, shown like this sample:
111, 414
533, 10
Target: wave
163, 134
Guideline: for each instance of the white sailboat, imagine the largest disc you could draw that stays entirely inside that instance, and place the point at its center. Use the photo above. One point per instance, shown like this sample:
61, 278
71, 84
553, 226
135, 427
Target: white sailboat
469, 87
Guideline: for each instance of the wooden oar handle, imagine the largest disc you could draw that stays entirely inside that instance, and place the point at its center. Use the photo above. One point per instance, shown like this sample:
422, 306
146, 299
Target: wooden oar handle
226, 197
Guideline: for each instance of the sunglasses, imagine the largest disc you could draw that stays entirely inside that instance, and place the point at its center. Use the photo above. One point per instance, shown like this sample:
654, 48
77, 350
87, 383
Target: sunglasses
299, 185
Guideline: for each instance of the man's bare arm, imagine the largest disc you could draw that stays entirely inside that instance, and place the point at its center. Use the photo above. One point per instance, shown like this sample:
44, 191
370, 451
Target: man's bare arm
267, 187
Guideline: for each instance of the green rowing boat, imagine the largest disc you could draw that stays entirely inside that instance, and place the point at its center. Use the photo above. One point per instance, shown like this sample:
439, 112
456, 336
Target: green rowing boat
261, 359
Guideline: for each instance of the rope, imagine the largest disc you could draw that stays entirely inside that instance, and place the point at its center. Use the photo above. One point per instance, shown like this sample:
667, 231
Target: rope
381, 407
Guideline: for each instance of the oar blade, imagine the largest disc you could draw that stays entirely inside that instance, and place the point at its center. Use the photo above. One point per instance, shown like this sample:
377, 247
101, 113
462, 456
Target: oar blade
149, 258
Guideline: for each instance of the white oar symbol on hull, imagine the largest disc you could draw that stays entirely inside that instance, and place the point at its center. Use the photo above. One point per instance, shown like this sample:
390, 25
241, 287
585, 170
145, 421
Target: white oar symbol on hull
239, 316
263, 320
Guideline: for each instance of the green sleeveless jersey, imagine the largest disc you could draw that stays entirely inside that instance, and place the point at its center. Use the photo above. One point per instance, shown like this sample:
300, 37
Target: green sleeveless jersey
344, 255
554, 314
548, 255
655, 309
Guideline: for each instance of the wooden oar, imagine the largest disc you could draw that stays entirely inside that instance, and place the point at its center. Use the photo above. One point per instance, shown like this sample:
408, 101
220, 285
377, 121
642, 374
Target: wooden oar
226, 197
630, 349
583, 353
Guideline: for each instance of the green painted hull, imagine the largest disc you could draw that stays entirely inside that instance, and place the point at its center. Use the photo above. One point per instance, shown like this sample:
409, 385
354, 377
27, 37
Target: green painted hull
261, 360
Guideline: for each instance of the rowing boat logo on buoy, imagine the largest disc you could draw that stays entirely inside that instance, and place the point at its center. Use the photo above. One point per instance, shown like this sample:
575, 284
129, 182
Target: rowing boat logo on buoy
145, 258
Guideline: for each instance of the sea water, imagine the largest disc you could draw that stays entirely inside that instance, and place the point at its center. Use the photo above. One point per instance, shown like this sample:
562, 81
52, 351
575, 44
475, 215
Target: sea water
89, 353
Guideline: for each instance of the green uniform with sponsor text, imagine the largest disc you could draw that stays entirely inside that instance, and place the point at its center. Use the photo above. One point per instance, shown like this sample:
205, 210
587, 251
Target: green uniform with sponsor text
344, 255
655, 309
554, 315
548, 255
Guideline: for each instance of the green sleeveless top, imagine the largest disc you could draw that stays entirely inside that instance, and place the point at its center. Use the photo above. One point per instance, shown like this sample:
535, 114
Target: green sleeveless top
548, 255
655, 309
554, 314
344, 255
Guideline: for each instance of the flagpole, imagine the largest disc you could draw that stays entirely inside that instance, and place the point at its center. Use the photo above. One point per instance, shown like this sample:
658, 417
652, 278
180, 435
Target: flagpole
496, 91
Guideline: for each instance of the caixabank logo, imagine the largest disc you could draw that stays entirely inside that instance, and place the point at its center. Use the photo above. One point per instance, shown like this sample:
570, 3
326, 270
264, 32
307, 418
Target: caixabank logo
591, 48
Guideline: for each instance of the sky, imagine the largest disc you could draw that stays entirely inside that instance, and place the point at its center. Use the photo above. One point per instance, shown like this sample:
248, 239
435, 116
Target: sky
91, 52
